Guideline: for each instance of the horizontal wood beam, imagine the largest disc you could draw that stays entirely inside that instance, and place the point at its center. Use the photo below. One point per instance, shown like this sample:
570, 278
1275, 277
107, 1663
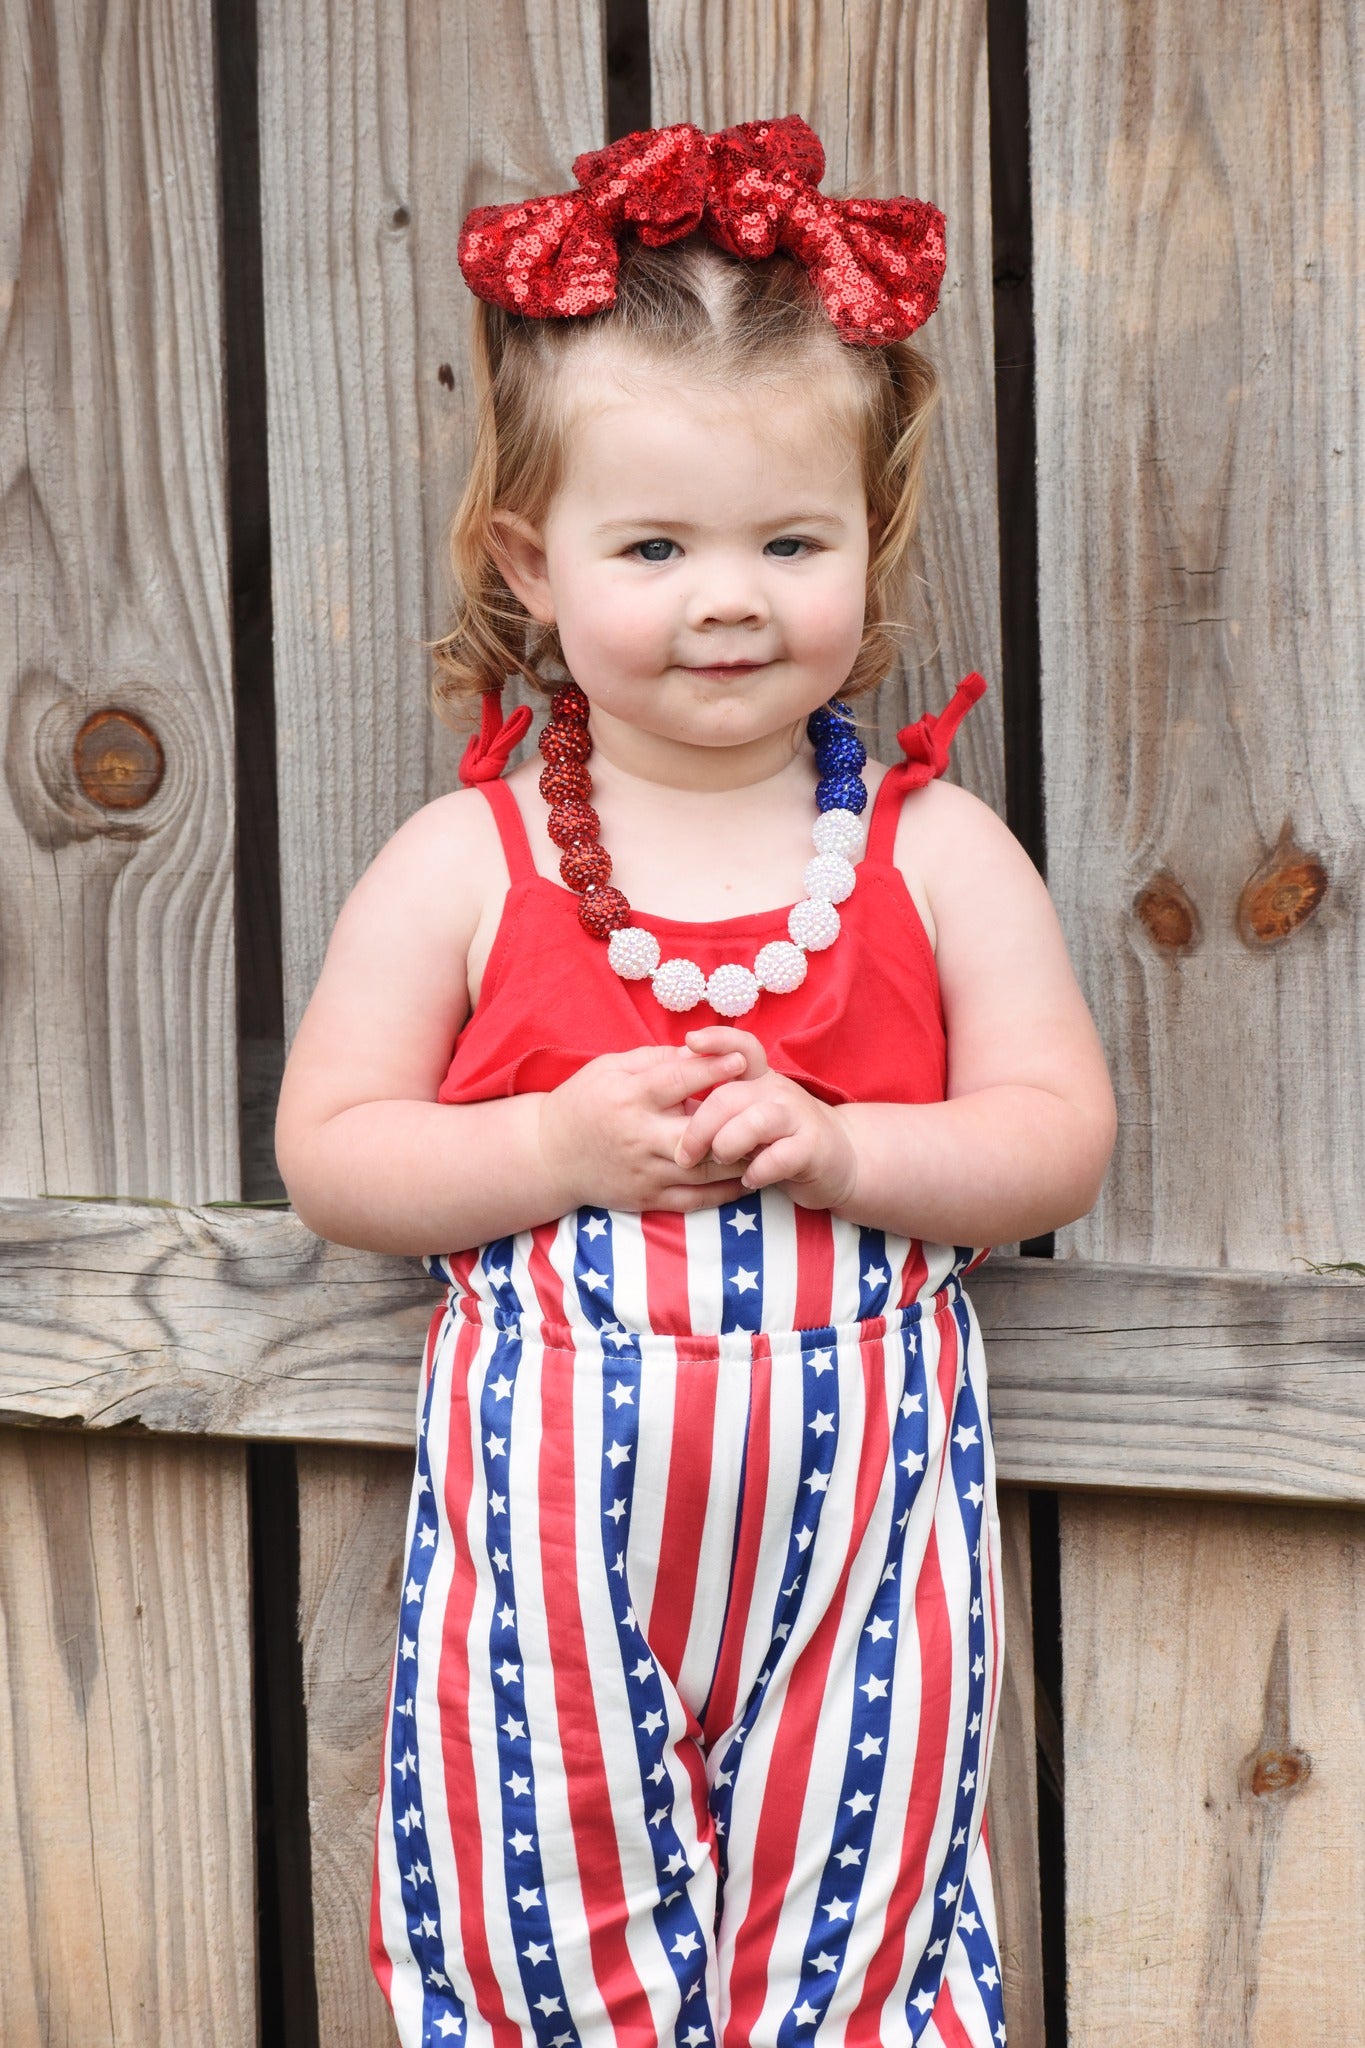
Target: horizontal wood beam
238, 1322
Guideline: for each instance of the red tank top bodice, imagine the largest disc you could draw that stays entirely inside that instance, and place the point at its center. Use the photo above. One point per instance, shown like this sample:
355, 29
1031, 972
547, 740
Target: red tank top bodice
866, 1024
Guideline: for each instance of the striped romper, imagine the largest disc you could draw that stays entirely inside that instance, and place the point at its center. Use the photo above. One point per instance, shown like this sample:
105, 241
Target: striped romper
699, 1652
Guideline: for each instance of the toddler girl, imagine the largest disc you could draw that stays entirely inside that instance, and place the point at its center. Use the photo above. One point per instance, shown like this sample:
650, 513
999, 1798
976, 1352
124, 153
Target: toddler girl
699, 1651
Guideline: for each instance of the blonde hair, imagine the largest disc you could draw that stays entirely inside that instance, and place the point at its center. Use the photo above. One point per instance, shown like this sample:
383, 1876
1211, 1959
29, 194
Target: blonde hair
709, 318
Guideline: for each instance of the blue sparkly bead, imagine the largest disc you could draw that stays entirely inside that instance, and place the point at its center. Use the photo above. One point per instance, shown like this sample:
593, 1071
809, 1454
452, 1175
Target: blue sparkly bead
842, 791
839, 748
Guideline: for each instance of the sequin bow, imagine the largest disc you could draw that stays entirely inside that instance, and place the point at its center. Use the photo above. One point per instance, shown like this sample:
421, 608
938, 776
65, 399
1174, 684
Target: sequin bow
876, 264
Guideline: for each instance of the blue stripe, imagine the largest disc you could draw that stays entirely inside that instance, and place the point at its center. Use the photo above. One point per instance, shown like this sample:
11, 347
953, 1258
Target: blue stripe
840, 1887
985, 1963
874, 1274
421, 1903
967, 1465
741, 1264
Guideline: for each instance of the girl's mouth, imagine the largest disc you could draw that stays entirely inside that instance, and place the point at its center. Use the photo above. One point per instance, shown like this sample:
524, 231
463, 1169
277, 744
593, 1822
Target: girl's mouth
727, 668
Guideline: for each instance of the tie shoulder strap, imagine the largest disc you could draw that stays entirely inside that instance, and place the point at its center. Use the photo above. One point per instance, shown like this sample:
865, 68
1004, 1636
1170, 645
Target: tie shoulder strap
926, 745
490, 748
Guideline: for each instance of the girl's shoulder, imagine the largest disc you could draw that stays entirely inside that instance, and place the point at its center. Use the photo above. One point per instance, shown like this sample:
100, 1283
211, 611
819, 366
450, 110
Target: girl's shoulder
955, 855
444, 861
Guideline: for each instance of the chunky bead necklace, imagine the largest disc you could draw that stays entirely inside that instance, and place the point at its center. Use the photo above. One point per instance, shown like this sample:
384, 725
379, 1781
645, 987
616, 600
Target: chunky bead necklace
585, 864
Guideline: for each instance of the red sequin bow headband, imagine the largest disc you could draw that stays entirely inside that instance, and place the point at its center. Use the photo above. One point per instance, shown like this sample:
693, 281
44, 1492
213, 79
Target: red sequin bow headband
877, 264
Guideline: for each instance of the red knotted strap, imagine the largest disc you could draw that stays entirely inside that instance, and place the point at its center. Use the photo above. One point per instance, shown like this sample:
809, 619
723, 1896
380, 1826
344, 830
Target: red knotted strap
926, 745
490, 748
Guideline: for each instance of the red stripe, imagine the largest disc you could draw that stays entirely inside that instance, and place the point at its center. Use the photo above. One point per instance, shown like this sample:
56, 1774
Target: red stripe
798, 1735
915, 1274
945, 2018
934, 1627
720, 1707
814, 1269
666, 1290
685, 1501
452, 1681
596, 1852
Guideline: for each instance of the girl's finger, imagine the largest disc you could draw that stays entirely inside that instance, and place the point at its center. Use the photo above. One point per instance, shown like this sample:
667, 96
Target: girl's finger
672, 1081
762, 1123
688, 1196
723, 1103
773, 1164
716, 1038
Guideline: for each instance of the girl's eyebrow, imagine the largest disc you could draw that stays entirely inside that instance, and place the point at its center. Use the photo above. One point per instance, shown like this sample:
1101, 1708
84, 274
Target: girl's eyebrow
830, 519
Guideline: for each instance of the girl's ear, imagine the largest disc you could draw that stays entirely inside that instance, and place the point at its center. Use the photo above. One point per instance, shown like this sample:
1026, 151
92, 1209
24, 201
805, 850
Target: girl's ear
519, 550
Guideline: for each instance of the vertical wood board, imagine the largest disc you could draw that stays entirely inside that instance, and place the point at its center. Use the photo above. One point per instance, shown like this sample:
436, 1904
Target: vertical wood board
352, 1511
896, 91
381, 125
127, 1883
117, 1031
1200, 294
1215, 1773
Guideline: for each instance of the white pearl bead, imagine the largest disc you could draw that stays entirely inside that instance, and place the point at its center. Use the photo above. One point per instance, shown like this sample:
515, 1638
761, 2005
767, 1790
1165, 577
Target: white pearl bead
679, 984
813, 925
830, 877
732, 990
780, 967
839, 832
633, 953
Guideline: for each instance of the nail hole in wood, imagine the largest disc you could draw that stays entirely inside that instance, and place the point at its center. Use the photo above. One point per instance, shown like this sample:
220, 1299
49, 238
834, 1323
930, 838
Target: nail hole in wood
119, 761
1282, 894
445, 375
401, 216
1167, 915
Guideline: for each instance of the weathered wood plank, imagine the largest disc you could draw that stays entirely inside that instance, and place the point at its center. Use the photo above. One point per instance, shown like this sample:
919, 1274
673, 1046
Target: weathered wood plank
117, 1032
127, 1883
381, 124
897, 94
352, 1509
1215, 1772
1201, 296
1012, 1817
239, 1322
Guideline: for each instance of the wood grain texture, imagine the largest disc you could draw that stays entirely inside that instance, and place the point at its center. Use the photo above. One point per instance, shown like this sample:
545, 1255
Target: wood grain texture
127, 1885
352, 1511
1215, 1771
1012, 1807
117, 1052
239, 1322
381, 125
1200, 285
896, 91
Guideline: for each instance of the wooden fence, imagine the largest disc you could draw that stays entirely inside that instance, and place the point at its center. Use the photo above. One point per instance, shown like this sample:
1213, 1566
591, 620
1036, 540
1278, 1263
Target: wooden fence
233, 411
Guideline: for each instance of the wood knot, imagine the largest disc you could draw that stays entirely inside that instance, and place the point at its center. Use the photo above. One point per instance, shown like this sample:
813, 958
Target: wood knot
1167, 914
1282, 894
119, 761
1279, 1771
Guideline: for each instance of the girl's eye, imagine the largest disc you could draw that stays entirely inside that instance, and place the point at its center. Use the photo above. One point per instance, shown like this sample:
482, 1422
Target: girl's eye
788, 544
642, 549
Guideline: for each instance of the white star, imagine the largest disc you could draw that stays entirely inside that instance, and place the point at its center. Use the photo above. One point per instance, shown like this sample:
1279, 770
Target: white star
622, 1395
975, 1494
822, 1424
435, 1977
990, 1977
820, 1362
879, 1628
911, 1404
805, 2014
406, 1708
421, 1874
426, 1537
507, 1671
976, 1608
742, 1222
644, 1669
974, 1724
447, 2024
923, 2001
847, 1856
596, 1226
874, 1688
745, 1281
839, 1909
537, 1951
497, 1274
518, 1785
818, 1482
969, 1921
409, 1647
427, 1925
912, 1462
407, 1762
876, 1276
497, 1503
616, 1510
410, 1820
861, 1802
803, 1537
512, 1728
676, 1862
618, 1454
871, 1745
969, 1781
529, 1895
1000, 2032
685, 1944
948, 1894
496, 1446
658, 1774
978, 1666
521, 1844
659, 1815
889, 1573
423, 1483
824, 1961
694, 2037
964, 1436
935, 1948
615, 1334
594, 1280
959, 1838
500, 1388
506, 1615
652, 1722
620, 1565
547, 2004
783, 1629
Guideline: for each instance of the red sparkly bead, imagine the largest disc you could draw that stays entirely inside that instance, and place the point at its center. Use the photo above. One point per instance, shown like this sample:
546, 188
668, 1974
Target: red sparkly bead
565, 742
570, 823
570, 704
603, 911
560, 780
584, 867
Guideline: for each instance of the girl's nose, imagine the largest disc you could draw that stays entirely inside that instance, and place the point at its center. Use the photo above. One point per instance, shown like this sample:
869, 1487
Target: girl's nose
728, 597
